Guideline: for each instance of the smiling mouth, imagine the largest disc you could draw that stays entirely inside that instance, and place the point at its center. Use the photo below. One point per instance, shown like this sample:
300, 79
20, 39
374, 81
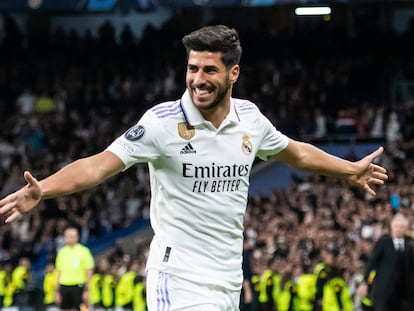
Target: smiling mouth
202, 92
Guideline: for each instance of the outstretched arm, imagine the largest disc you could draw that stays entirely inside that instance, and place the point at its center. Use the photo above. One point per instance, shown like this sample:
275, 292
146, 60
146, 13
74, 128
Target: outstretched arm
77, 176
363, 173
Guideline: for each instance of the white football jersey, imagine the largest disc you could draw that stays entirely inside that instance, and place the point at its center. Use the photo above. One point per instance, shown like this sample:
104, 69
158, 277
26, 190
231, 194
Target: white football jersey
199, 181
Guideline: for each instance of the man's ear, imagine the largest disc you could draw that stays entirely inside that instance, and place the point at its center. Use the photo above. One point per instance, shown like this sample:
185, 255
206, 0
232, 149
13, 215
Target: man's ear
234, 73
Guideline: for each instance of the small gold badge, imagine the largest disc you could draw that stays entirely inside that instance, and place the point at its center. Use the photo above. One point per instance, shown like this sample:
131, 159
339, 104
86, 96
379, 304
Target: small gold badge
247, 146
186, 131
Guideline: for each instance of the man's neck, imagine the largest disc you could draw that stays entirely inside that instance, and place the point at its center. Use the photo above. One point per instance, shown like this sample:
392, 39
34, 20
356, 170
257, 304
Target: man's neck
216, 116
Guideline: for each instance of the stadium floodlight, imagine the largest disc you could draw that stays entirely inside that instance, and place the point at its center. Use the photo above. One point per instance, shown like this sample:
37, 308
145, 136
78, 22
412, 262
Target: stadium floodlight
313, 10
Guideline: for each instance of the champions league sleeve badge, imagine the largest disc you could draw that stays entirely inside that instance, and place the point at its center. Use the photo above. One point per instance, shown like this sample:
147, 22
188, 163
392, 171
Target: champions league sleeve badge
186, 131
247, 146
135, 133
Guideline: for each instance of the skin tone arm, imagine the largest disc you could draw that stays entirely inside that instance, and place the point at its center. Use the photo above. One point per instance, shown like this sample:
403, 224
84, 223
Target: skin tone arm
85, 294
79, 175
248, 295
362, 173
89, 172
57, 298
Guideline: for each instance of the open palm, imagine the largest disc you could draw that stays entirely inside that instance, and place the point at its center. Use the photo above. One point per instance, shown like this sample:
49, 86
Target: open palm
21, 201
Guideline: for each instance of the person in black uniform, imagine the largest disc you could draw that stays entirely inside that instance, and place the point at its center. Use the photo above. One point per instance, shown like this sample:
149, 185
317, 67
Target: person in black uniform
392, 260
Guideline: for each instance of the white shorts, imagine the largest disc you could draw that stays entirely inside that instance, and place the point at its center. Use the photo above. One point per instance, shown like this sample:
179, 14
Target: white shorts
167, 292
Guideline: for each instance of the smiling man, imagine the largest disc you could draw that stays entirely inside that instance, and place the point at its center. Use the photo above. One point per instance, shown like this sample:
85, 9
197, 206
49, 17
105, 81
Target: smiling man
200, 151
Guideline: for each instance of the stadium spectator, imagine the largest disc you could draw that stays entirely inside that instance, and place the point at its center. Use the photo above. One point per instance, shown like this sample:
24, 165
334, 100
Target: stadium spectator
25, 103
49, 287
22, 280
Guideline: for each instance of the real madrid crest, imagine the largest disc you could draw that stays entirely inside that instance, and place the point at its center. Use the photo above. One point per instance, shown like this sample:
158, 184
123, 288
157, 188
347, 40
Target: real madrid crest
186, 131
247, 146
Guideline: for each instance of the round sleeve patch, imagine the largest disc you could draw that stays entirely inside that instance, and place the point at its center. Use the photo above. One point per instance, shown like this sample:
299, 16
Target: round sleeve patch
135, 133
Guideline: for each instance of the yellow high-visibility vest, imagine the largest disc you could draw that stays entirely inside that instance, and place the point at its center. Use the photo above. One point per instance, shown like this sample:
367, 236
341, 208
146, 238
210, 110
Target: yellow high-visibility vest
108, 291
95, 288
139, 303
49, 287
124, 291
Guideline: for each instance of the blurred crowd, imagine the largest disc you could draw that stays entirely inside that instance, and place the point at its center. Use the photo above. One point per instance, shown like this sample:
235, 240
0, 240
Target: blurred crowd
64, 96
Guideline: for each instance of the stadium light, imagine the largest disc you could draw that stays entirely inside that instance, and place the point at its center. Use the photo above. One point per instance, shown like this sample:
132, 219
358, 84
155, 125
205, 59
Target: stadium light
313, 10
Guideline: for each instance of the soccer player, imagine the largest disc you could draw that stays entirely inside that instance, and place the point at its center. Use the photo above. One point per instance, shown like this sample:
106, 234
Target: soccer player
200, 151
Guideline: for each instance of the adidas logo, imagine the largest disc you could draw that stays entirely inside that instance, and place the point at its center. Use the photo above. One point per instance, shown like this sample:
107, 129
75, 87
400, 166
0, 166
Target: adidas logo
188, 149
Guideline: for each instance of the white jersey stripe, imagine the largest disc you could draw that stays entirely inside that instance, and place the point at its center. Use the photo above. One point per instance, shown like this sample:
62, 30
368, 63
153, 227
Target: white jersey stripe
246, 107
163, 301
166, 110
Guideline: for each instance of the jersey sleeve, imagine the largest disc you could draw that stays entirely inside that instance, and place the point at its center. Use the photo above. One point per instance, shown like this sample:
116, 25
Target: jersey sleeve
139, 143
58, 260
89, 259
273, 141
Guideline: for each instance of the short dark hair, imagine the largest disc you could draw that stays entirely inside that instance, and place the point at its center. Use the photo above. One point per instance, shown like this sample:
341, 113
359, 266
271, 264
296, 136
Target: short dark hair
70, 227
216, 38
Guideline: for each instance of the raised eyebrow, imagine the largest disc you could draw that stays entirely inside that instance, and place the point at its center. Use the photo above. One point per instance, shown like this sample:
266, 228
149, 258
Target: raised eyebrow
205, 68
210, 68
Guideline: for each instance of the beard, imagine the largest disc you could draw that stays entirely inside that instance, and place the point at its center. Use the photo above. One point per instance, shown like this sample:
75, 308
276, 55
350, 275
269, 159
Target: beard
222, 92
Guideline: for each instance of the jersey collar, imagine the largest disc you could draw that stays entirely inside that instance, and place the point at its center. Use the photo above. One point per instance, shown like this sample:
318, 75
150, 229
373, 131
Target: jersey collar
193, 116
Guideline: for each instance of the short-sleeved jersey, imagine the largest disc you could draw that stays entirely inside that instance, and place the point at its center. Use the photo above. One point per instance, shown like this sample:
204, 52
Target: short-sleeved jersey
199, 177
72, 262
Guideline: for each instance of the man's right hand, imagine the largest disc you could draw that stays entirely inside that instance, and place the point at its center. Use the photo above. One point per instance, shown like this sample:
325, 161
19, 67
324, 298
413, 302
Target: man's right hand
21, 201
362, 290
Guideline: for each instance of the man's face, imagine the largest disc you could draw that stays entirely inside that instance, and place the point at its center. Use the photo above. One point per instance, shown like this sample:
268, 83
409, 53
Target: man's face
208, 80
71, 236
398, 228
